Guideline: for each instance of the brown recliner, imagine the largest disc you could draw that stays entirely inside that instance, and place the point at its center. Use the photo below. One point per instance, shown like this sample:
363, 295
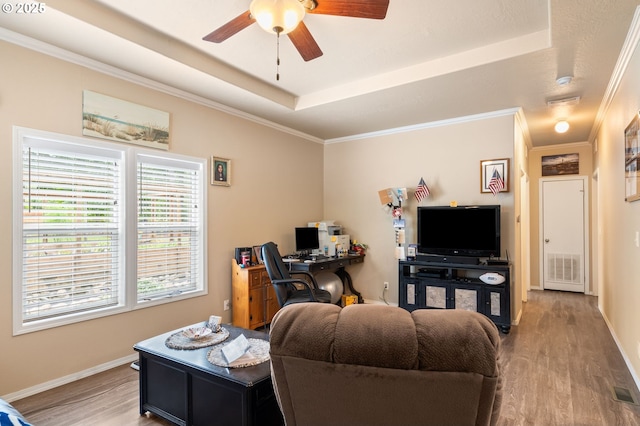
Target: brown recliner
382, 365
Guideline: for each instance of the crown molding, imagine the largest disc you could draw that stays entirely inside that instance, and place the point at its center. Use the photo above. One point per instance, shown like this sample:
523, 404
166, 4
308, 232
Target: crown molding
83, 61
421, 126
626, 53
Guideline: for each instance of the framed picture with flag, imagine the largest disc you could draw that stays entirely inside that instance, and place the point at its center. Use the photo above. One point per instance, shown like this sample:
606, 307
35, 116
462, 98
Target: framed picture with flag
494, 176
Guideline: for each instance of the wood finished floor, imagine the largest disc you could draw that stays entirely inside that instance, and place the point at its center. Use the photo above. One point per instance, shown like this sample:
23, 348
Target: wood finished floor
560, 364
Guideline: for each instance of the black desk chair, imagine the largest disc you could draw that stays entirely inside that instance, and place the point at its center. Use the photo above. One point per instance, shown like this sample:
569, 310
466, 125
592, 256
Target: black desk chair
285, 285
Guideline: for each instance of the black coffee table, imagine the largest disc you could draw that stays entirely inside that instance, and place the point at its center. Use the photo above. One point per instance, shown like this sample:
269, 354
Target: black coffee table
183, 387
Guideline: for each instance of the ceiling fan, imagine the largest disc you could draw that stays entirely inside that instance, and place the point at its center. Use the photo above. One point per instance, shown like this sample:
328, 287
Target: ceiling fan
265, 13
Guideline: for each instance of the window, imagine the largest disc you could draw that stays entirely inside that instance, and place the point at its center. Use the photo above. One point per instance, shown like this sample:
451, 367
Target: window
82, 208
168, 228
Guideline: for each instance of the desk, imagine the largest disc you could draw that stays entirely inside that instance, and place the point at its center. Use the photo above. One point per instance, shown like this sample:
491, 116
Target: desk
332, 264
184, 388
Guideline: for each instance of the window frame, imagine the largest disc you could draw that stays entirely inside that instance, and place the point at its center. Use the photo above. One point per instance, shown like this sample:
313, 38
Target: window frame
127, 248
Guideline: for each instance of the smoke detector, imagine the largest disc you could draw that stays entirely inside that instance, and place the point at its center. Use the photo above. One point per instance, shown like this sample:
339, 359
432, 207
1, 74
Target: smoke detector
563, 81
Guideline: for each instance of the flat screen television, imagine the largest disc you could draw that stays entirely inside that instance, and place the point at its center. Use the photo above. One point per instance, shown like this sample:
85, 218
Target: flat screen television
469, 231
307, 240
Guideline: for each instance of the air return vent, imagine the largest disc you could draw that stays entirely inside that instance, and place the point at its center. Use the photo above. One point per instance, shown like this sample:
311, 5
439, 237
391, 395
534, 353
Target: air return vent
624, 395
564, 268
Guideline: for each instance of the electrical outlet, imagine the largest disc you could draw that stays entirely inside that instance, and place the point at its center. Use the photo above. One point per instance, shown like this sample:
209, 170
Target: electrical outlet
226, 305
386, 285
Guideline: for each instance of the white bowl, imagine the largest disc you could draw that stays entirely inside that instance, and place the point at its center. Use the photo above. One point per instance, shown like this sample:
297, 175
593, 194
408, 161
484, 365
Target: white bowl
196, 333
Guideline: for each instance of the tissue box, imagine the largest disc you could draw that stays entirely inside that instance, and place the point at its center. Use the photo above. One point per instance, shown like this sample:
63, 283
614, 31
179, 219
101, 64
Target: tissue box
349, 299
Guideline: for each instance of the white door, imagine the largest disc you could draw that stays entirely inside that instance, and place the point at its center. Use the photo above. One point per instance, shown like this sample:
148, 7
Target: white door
564, 237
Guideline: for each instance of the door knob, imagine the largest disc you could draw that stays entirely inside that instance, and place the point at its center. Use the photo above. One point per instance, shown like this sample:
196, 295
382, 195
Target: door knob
546, 240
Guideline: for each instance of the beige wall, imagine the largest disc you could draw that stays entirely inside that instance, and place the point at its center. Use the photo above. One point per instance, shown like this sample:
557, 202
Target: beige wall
448, 157
276, 185
618, 221
584, 151
521, 182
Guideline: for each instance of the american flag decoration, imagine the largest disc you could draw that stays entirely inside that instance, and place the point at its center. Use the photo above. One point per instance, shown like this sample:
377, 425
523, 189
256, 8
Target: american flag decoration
496, 184
422, 190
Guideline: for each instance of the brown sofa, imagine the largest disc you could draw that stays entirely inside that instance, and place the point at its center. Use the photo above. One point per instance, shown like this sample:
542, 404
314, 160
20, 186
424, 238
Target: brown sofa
382, 365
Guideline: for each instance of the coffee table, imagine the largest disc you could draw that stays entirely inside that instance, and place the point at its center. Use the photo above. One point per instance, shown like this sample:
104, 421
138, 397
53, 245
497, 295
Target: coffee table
182, 386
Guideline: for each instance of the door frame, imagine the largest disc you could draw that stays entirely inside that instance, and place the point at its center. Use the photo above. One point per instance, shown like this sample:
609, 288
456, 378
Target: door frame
524, 221
585, 210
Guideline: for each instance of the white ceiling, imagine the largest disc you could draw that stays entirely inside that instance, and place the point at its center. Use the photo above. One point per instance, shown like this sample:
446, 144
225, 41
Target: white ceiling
427, 61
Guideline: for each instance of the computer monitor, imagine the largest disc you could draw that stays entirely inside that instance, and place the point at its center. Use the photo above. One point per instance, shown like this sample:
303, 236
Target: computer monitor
307, 240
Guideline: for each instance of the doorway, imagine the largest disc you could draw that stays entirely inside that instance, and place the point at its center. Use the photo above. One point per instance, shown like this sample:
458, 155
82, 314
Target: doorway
564, 233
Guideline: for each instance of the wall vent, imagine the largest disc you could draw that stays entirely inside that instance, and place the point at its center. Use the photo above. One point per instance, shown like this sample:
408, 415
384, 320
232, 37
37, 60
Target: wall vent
564, 268
624, 395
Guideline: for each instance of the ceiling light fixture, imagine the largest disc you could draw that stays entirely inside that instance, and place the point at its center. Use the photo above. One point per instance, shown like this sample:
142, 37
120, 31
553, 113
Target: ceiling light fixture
562, 126
279, 17
563, 81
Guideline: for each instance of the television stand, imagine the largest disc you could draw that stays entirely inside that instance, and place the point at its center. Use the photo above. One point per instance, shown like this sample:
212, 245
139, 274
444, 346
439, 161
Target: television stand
443, 285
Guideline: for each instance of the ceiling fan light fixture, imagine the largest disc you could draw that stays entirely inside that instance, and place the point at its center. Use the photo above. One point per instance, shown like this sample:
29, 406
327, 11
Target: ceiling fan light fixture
562, 126
277, 16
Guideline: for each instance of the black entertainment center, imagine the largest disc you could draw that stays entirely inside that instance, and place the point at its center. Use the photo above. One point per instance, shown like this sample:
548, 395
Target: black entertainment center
458, 263
429, 285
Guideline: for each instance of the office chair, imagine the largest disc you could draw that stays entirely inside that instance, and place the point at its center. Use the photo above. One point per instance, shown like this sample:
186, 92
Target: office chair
285, 285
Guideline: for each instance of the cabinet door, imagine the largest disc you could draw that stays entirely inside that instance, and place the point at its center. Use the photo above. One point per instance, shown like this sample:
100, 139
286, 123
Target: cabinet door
164, 389
257, 312
436, 295
496, 305
215, 398
408, 294
271, 302
466, 297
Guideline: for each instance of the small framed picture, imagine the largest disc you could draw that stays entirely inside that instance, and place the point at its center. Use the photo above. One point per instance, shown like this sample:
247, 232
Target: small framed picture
220, 171
494, 176
257, 255
632, 160
563, 164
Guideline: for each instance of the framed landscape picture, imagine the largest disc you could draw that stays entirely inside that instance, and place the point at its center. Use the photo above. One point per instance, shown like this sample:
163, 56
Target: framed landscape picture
561, 165
121, 121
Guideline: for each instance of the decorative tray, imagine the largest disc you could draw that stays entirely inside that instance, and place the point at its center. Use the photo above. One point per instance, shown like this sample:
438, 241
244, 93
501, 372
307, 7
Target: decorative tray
257, 353
182, 339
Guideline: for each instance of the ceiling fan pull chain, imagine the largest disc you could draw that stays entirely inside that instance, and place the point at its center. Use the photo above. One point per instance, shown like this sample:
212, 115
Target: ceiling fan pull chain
278, 56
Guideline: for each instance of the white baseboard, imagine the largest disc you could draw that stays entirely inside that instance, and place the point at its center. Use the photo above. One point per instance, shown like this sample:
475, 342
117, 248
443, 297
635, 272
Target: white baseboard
622, 352
378, 302
68, 379
518, 317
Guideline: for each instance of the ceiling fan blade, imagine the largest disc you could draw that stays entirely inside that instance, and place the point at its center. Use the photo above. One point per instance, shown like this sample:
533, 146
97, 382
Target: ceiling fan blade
304, 42
230, 28
372, 9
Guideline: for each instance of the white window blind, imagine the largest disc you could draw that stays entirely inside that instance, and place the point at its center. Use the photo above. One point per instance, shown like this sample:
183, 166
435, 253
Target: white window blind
71, 231
102, 228
169, 228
